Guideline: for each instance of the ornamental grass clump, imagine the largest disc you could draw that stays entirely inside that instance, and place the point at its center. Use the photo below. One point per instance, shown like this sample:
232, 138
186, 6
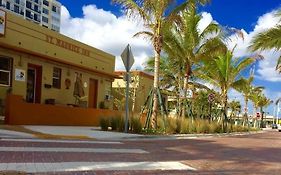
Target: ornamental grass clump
136, 125
202, 126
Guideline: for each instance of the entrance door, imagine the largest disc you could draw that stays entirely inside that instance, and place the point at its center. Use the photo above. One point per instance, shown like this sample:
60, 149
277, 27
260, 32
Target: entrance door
93, 93
34, 80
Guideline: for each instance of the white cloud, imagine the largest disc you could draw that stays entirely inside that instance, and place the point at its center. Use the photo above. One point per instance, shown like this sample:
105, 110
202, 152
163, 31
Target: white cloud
266, 68
105, 31
205, 21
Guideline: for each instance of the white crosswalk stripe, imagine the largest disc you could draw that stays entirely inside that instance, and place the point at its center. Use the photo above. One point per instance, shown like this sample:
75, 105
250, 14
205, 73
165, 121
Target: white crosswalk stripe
91, 166
79, 150
61, 141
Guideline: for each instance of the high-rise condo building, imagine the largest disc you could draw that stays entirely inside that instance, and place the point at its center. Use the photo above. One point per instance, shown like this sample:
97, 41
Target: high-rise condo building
44, 12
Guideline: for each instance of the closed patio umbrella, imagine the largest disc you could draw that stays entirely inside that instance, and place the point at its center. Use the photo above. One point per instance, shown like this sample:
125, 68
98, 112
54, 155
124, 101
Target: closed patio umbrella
78, 88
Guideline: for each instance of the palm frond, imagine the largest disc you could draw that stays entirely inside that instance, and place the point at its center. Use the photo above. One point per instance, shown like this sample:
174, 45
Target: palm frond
278, 66
132, 8
270, 39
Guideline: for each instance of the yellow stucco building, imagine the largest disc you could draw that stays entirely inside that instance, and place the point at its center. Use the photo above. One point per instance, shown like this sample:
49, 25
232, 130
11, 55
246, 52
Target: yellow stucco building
43, 66
141, 84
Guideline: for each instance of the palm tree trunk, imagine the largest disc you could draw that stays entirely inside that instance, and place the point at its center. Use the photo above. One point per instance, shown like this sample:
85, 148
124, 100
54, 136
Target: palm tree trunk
224, 102
155, 87
180, 100
245, 119
262, 113
184, 95
254, 114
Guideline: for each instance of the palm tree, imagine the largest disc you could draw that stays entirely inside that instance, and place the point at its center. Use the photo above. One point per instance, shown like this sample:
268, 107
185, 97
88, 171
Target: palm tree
223, 72
255, 97
245, 87
270, 39
263, 102
156, 16
185, 43
235, 107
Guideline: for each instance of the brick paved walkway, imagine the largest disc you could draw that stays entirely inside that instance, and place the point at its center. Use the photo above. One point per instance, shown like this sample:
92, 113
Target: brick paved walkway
248, 154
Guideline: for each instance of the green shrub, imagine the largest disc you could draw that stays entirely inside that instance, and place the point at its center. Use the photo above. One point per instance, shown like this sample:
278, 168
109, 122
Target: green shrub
178, 125
104, 123
114, 123
121, 124
136, 125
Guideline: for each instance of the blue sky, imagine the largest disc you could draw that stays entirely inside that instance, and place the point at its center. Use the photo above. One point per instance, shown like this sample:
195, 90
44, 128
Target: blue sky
238, 13
99, 19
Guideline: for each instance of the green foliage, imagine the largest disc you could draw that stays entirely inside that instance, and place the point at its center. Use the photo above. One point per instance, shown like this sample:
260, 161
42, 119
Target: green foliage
114, 121
136, 125
120, 124
104, 123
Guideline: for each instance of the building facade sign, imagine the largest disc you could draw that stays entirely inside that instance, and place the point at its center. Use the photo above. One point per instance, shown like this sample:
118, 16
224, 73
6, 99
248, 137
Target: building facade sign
19, 75
67, 45
2, 22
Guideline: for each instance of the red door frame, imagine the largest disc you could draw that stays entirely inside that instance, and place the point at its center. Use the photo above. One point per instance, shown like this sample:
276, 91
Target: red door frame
93, 93
38, 81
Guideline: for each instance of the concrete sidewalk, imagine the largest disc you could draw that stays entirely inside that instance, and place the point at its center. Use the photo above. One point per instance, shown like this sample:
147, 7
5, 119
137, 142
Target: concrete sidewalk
14, 134
96, 133
90, 132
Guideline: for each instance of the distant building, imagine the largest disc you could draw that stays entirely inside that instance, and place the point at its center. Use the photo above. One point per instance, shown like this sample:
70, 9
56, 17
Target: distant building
43, 12
141, 84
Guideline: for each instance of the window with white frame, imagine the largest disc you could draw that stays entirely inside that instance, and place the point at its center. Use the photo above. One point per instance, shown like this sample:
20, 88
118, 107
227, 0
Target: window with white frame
5, 71
57, 78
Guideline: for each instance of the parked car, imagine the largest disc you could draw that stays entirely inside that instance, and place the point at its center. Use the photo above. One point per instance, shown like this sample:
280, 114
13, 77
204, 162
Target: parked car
274, 126
279, 128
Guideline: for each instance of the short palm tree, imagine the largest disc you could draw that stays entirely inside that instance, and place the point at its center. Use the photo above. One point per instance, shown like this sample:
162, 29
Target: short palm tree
269, 39
156, 16
235, 107
245, 87
223, 72
263, 102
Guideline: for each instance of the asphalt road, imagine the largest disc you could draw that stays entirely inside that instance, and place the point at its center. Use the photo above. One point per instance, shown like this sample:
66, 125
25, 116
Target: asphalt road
248, 154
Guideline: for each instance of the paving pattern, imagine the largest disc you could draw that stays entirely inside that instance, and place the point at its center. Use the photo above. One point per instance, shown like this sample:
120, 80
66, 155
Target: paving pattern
244, 154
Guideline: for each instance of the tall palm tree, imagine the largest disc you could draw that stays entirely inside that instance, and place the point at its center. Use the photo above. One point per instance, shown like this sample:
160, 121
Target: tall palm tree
156, 16
223, 72
187, 44
269, 39
255, 98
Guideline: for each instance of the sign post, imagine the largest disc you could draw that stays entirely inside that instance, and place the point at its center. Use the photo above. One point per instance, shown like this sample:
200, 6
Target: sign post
128, 60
